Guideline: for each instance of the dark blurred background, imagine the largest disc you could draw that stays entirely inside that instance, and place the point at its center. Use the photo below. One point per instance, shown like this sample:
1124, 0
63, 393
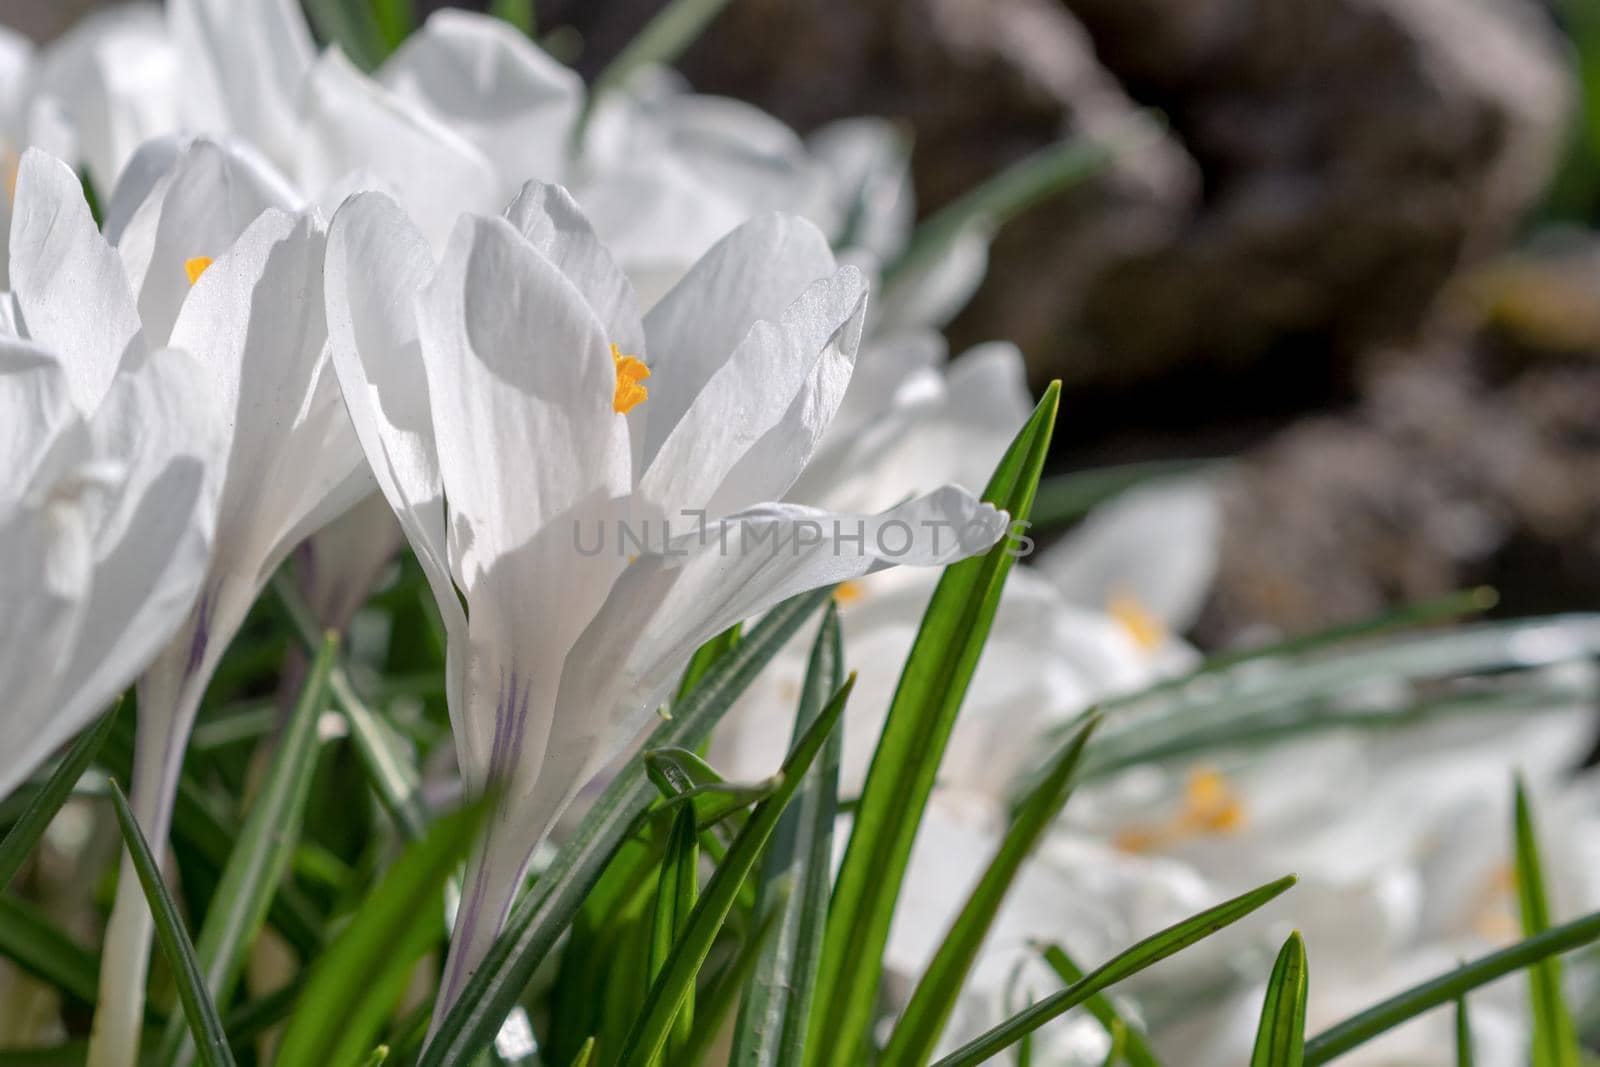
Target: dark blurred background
1359, 259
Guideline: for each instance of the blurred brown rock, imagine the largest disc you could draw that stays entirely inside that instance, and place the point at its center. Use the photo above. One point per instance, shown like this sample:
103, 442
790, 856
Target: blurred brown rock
1330, 164
1468, 461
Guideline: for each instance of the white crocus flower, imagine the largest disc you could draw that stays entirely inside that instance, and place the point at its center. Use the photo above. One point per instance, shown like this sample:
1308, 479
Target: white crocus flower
506, 388
288, 458
107, 505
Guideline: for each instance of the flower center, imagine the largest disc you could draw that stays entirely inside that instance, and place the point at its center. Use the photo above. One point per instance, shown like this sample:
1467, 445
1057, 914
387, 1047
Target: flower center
1210, 805
1136, 620
630, 372
848, 592
196, 267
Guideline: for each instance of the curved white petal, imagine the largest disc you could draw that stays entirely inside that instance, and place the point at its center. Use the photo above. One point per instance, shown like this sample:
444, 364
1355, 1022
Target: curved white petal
754, 274
521, 384
245, 66
71, 293
869, 169
212, 194
352, 123
488, 82
1156, 544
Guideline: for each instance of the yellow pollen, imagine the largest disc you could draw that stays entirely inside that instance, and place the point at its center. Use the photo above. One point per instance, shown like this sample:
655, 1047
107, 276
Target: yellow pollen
848, 592
196, 267
1210, 806
630, 372
1494, 906
1129, 611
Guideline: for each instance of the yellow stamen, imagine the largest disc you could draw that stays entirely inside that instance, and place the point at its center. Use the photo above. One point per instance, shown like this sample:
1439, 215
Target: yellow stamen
630, 372
848, 592
1494, 916
1147, 631
196, 267
1210, 806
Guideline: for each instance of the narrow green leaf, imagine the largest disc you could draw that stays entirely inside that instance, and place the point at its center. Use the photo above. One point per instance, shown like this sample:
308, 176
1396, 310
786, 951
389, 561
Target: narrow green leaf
795, 879
518, 13
544, 913
683, 776
35, 818
353, 27
210, 1043
259, 860
1281, 1037
1463, 1034
356, 983
677, 889
1385, 1015
1135, 1049
377, 1058
1151, 950
731, 987
705, 657
395, 19
387, 759
932, 685
1555, 1042
916, 1034
585, 1054
664, 38
674, 984
30, 940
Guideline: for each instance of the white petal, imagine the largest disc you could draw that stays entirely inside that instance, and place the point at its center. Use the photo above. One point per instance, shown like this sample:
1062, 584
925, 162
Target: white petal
256, 318
554, 224
868, 160
377, 264
353, 123
749, 433
521, 383
489, 83
1157, 544
752, 275
116, 76
246, 66
213, 194
932, 290
70, 287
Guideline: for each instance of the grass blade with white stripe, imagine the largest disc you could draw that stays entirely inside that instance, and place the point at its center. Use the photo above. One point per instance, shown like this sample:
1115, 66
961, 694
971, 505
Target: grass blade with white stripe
675, 983
932, 685
796, 877
1150, 951
1135, 1049
261, 856
916, 1034
1555, 1043
35, 818
1281, 1037
1404, 1006
211, 1046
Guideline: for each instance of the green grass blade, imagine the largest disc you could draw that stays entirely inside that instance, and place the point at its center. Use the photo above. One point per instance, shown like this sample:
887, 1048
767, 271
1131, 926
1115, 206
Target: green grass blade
677, 890
260, 859
1151, 950
900, 779
30, 940
1555, 1042
1463, 1034
675, 983
664, 38
355, 985
211, 1046
705, 657
353, 27
1135, 1049
548, 909
384, 754
730, 989
1384, 1016
1281, 1037
35, 818
585, 1054
916, 1035
518, 13
796, 877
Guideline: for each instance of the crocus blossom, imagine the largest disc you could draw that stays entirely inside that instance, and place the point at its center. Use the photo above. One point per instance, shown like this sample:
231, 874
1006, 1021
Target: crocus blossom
202, 266
569, 601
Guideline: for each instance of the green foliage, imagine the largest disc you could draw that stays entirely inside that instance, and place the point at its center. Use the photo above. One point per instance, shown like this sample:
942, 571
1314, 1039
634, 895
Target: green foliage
1281, 1037
921, 716
1555, 1043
